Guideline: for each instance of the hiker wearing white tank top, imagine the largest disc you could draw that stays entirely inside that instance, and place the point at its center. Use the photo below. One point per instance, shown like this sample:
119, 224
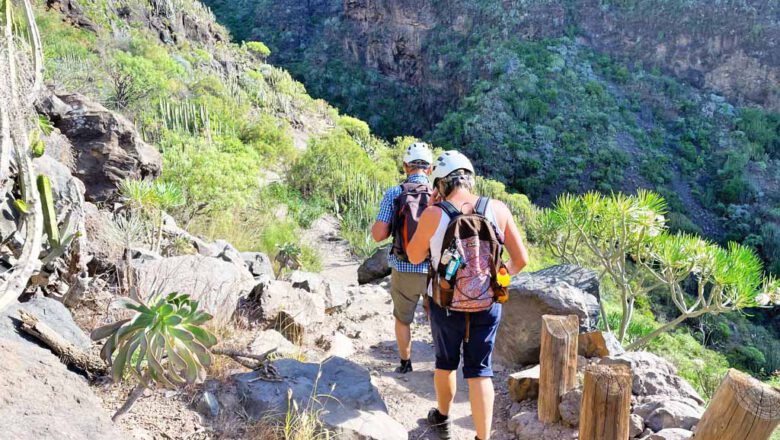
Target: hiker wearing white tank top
473, 333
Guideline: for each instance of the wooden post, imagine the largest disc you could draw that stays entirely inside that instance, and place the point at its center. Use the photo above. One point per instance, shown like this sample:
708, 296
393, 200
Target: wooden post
558, 363
742, 409
606, 403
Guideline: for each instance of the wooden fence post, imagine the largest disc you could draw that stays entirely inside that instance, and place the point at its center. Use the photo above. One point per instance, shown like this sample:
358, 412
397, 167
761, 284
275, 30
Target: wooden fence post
558, 363
606, 403
741, 409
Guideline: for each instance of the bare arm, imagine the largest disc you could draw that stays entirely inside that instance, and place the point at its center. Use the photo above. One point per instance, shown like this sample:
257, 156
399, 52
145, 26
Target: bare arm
380, 231
418, 248
513, 242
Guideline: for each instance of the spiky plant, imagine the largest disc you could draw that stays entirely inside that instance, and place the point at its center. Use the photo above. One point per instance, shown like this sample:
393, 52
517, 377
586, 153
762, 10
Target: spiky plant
164, 343
150, 199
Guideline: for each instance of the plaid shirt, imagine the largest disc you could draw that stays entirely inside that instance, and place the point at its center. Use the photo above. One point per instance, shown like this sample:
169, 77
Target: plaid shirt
386, 210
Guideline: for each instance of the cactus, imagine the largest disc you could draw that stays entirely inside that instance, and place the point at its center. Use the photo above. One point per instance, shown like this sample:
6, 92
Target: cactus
37, 146
49, 215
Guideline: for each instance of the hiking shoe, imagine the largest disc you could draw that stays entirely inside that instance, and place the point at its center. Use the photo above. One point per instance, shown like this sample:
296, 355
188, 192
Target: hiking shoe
440, 423
405, 367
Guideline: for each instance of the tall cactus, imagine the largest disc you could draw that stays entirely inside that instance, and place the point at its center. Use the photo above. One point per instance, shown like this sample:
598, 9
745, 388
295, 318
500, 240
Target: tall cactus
49, 215
16, 95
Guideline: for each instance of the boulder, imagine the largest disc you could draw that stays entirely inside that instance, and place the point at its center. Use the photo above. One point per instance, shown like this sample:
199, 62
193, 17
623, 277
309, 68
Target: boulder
289, 310
216, 283
219, 249
258, 264
669, 413
106, 145
655, 376
527, 426
32, 378
670, 434
67, 190
532, 295
334, 295
348, 403
636, 425
599, 344
268, 340
375, 267
570, 407
207, 405
524, 384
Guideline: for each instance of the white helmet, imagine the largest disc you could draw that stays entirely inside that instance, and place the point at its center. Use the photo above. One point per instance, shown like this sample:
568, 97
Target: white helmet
448, 162
418, 151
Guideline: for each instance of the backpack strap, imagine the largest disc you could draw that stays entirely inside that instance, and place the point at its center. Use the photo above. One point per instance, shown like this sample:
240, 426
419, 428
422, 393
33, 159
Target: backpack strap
482, 206
449, 209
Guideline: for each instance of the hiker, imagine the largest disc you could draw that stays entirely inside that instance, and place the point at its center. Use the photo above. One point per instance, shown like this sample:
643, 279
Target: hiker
465, 235
399, 213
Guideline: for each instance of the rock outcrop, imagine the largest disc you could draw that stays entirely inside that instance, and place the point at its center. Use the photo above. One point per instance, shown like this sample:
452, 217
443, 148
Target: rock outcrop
106, 145
532, 295
216, 283
41, 398
375, 267
350, 405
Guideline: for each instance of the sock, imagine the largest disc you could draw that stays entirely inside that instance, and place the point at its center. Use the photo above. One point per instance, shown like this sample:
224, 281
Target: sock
441, 417
406, 362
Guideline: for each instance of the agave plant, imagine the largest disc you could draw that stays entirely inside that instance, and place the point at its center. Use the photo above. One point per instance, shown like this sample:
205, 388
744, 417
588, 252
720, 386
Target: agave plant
164, 343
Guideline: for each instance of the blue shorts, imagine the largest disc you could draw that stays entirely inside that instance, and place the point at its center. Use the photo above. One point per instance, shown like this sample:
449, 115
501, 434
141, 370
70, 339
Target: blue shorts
449, 332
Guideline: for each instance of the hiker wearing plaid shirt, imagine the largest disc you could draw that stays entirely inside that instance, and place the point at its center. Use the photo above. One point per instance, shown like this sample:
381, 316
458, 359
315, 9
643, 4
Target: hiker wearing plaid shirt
398, 214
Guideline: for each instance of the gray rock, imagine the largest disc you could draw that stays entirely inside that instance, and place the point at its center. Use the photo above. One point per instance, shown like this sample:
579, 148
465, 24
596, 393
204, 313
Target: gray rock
570, 407
106, 145
268, 340
670, 434
524, 384
340, 345
654, 376
334, 295
375, 267
32, 378
258, 263
216, 283
527, 426
291, 311
67, 190
532, 295
351, 406
48, 311
219, 249
208, 406
636, 426
139, 253
669, 412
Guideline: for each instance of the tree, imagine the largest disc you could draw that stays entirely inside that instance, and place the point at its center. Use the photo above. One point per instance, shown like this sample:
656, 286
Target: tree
163, 343
626, 239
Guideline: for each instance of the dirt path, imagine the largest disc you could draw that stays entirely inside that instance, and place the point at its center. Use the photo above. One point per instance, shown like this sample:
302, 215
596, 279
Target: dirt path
369, 321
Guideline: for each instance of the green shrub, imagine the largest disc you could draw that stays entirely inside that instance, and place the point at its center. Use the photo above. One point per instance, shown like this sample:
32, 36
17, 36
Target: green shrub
258, 48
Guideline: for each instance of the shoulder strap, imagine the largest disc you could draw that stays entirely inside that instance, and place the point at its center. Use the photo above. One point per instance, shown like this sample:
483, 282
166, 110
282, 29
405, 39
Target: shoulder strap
482, 205
449, 209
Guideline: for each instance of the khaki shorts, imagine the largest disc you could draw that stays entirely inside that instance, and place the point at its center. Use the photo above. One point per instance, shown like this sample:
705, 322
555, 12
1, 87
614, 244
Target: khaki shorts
406, 288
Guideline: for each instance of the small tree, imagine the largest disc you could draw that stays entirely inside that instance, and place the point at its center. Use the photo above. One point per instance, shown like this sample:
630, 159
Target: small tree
150, 199
625, 238
163, 343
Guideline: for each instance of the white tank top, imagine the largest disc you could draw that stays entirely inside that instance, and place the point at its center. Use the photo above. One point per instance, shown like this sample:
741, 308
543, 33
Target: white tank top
438, 236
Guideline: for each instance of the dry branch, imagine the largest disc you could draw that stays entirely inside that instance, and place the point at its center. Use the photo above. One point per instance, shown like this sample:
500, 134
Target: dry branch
69, 354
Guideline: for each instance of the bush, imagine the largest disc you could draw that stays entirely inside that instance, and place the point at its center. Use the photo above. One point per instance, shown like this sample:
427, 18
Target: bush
258, 48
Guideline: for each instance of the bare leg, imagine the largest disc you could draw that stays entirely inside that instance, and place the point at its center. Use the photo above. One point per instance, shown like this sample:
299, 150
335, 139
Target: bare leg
445, 382
481, 396
403, 334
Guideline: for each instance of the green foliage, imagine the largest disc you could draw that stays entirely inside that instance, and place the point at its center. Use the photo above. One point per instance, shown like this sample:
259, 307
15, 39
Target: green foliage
163, 343
625, 237
259, 48
47, 206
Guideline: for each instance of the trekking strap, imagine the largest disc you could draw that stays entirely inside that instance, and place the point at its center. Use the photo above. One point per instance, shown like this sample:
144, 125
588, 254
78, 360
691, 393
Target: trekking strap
449, 209
482, 205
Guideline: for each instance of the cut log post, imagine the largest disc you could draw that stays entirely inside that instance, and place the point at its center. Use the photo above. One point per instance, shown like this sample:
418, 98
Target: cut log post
742, 409
558, 363
606, 403
69, 354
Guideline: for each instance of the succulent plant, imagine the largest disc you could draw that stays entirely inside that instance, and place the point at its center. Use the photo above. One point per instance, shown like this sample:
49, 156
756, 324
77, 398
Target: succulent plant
164, 343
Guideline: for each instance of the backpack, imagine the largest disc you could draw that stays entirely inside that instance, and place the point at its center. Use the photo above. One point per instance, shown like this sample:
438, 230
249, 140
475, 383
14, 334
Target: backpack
407, 209
472, 237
